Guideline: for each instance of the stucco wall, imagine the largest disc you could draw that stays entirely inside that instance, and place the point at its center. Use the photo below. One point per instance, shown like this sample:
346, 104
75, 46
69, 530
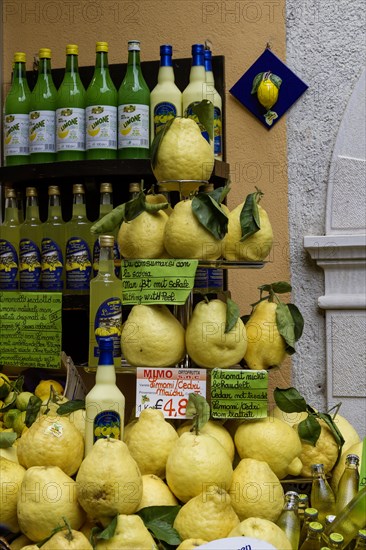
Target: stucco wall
326, 45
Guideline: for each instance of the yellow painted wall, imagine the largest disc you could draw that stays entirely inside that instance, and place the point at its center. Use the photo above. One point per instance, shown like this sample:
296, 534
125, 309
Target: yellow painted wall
237, 29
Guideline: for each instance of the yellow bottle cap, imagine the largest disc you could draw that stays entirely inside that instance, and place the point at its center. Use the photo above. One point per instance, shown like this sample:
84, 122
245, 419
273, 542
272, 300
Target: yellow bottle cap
19, 56
44, 53
102, 47
72, 49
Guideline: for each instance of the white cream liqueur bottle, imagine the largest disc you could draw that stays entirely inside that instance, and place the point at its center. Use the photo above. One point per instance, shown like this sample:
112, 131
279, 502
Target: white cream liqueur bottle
105, 403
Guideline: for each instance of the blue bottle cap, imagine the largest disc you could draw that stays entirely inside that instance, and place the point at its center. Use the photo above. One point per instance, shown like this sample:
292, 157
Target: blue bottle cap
166, 49
197, 49
105, 342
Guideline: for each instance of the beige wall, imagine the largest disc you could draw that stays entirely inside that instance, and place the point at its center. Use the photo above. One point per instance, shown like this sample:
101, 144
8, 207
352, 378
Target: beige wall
237, 29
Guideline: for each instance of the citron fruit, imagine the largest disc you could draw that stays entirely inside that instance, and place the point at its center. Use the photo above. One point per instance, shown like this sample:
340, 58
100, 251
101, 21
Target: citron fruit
52, 441
109, 481
256, 490
290, 418
150, 441
43, 389
47, 495
266, 347
67, 540
194, 463
273, 441
11, 477
208, 516
325, 451
152, 337
186, 237
262, 529
207, 343
191, 544
155, 492
348, 432
217, 430
254, 248
20, 542
143, 237
130, 534
184, 154
338, 470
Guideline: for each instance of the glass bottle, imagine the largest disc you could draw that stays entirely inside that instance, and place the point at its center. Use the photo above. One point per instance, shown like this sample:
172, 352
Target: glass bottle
16, 115
134, 189
9, 243
166, 97
360, 543
336, 541
289, 520
79, 242
42, 112
53, 244
350, 520
310, 514
196, 89
313, 538
213, 95
348, 483
30, 244
303, 504
321, 497
106, 205
20, 206
133, 109
105, 403
101, 110
105, 317
70, 112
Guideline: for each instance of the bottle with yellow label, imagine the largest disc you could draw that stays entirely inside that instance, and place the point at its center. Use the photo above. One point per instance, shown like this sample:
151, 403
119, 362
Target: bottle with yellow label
30, 244
166, 97
52, 252
213, 95
101, 110
9, 243
105, 403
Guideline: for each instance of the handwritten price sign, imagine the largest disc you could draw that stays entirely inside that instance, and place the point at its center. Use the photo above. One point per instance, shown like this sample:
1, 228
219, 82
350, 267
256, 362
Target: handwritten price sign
168, 389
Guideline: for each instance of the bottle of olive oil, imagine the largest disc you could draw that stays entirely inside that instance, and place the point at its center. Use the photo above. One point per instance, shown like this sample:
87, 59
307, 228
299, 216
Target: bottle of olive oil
30, 244
52, 253
9, 243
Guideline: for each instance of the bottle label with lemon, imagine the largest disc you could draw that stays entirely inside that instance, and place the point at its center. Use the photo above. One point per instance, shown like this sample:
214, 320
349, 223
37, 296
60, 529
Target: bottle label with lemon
78, 264
42, 132
217, 132
107, 424
8, 266
162, 113
70, 129
52, 265
101, 127
16, 129
108, 322
30, 265
133, 126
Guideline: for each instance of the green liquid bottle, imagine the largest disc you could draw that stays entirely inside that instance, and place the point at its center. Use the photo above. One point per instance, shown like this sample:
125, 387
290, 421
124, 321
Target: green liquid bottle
350, 520
348, 484
313, 538
106, 205
42, 113
30, 244
79, 243
105, 304
16, 115
321, 497
52, 252
289, 520
101, 110
133, 109
310, 514
70, 112
9, 243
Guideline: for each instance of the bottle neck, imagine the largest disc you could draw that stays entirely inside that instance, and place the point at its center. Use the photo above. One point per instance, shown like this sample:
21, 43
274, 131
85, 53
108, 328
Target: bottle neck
106, 261
19, 73
72, 65
78, 207
44, 67
133, 58
31, 210
166, 60
54, 207
101, 62
106, 198
11, 211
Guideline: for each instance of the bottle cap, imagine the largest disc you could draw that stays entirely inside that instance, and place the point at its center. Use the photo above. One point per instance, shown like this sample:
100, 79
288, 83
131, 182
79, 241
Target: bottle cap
44, 53
311, 512
106, 240
303, 497
19, 57
336, 537
102, 47
134, 45
317, 468
208, 54
106, 187
197, 48
10, 193
72, 49
134, 187
293, 494
362, 534
166, 49
105, 342
53, 190
78, 188
31, 192
316, 526
352, 459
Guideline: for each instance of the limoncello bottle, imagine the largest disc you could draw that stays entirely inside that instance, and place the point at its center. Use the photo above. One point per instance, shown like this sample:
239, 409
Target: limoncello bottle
79, 244
16, 115
106, 205
133, 109
105, 403
213, 95
313, 538
321, 497
310, 514
70, 112
289, 520
30, 244
9, 243
166, 97
53, 244
42, 112
350, 520
105, 317
348, 483
101, 110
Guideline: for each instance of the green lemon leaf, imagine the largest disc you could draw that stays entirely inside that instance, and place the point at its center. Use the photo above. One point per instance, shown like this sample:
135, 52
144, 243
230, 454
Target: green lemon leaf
150, 207
289, 400
277, 81
286, 326
249, 217
256, 81
205, 113
297, 319
18, 384
210, 215
7, 439
109, 531
70, 406
232, 314
159, 520
328, 419
281, 287
110, 221
309, 430
33, 408
219, 193
199, 409
134, 207
157, 142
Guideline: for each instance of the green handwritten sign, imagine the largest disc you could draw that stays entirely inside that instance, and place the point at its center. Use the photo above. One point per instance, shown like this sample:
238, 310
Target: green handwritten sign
31, 329
162, 281
239, 393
